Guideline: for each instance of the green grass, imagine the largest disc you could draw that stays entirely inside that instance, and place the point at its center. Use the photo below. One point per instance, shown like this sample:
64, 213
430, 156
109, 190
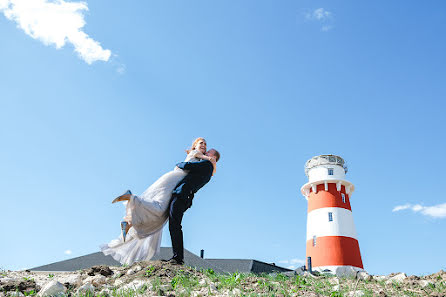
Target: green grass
184, 281
150, 270
30, 293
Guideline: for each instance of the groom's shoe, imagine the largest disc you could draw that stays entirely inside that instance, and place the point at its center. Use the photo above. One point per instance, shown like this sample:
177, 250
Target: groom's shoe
123, 197
173, 261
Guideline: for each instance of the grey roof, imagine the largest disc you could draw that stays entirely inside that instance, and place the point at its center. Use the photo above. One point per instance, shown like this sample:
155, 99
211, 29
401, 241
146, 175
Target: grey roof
190, 259
246, 266
79, 263
99, 258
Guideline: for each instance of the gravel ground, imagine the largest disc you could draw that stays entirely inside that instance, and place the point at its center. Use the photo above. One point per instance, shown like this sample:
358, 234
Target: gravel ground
155, 278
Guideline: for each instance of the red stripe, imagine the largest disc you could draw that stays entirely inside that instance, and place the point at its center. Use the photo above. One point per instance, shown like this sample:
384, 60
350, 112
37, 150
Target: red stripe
330, 198
334, 250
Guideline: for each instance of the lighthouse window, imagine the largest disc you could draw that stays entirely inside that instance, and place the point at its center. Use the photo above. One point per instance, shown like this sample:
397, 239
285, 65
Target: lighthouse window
314, 240
343, 197
330, 217
330, 171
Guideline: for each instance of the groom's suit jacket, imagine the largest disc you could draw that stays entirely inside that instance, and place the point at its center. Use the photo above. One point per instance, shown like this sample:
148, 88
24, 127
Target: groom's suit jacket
200, 173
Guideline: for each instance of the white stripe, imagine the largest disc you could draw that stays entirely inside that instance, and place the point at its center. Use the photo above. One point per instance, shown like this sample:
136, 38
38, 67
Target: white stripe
342, 224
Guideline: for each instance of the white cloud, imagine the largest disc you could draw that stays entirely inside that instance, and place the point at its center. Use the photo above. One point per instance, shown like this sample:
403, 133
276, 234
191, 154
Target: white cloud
326, 28
121, 69
436, 211
68, 252
55, 22
321, 16
293, 263
401, 207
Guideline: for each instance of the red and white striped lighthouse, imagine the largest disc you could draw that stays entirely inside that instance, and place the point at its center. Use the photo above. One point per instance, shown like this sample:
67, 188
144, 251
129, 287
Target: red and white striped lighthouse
331, 235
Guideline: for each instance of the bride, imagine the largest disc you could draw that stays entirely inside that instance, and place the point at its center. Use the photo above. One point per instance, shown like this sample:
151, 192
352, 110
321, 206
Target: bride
146, 215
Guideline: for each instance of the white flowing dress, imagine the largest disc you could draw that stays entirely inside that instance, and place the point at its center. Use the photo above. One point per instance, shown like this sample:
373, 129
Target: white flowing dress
148, 213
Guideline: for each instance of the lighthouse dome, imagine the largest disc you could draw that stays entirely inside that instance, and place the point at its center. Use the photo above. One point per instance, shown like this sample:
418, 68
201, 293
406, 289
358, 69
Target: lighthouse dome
325, 167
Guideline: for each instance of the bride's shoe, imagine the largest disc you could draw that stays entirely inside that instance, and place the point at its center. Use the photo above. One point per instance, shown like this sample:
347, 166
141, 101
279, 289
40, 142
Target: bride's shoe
123, 197
124, 229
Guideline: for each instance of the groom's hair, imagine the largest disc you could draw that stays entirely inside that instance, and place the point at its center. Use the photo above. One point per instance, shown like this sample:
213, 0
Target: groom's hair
216, 153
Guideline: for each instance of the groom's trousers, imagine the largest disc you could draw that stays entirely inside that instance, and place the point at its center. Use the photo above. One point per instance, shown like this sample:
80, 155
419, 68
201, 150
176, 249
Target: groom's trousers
179, 204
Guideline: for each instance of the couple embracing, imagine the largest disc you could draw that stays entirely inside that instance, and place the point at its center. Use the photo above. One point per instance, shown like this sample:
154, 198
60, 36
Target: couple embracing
166, 199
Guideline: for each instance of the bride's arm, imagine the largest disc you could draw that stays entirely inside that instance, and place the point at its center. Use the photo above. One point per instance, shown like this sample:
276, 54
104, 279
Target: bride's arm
199, 155
202, 156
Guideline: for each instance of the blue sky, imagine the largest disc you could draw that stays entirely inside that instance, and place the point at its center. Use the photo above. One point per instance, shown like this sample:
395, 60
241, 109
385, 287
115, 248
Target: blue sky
102, 100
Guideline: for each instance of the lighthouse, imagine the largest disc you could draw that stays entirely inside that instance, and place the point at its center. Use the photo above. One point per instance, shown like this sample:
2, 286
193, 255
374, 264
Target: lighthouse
332, 243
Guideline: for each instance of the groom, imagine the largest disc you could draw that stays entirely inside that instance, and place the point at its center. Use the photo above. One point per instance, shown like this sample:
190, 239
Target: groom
200, 173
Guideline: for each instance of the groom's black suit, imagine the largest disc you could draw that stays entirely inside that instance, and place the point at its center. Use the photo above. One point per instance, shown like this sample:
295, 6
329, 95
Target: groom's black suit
199, 174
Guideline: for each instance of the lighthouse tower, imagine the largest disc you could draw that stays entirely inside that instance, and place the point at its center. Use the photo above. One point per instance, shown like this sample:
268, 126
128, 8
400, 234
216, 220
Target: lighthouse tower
331, 235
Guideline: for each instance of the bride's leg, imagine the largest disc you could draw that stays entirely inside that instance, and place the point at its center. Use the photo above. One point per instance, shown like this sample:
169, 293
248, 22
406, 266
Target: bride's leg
124, 229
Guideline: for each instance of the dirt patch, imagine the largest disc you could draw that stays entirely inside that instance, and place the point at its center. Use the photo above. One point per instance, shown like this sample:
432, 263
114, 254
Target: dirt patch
102, 270
26, 286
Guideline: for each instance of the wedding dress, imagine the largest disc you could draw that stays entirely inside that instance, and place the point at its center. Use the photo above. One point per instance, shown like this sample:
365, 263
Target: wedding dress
148, 213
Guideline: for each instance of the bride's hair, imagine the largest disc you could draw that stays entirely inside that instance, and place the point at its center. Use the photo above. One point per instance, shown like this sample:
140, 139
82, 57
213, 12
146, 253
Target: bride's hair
194, 144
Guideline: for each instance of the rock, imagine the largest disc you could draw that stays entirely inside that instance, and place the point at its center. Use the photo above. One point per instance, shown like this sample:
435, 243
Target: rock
118, 282
137, 268
397, 278
118, 274
363, 275
440, 275
130, 271
379, 277
299, 271
334, 281
236, 292
135, 285
87, 287
97, 280
424, 283
134, 270
196, 294
437, 294
53, 288
71, 279
181, 291
213, 287
336, 288
105, 292
345, 271
166, 287
357, 293
202, 282
15, 294
307, 274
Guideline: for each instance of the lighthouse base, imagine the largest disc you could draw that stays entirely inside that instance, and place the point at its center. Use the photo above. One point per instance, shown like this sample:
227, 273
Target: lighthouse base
343, 271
